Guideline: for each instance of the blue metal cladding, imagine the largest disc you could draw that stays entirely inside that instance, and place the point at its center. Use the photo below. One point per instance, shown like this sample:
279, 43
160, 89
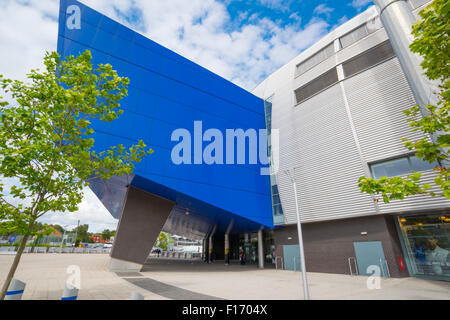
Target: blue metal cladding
167, 92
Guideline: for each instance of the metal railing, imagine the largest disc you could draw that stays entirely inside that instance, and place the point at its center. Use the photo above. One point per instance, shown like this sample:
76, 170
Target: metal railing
385, 272
350, 265
56, 250
276, 262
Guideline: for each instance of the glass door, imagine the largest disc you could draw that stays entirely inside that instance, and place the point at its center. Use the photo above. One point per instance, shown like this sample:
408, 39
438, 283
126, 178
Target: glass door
426, 239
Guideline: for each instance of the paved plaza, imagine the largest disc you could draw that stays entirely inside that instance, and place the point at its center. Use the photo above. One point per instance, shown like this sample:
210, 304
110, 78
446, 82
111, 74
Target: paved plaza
45, 276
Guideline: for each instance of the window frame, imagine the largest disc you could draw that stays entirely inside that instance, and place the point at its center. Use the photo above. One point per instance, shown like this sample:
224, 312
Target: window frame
408, 158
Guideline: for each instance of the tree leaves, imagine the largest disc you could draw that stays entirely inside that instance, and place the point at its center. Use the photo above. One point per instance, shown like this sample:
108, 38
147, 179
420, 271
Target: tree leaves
46, 137
433, 44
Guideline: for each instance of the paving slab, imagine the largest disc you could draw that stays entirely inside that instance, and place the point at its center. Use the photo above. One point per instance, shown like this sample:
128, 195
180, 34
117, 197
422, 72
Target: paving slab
45, 276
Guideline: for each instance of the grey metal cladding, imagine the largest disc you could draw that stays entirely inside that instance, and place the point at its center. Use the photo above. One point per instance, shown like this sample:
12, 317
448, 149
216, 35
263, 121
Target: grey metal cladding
377, 98
316, 139
368, 59
315, 86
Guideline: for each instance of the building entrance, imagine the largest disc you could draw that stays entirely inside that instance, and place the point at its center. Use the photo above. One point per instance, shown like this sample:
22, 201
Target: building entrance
426, 242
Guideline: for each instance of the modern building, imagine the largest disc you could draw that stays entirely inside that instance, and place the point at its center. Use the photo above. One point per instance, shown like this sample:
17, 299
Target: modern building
337, 109
183, 244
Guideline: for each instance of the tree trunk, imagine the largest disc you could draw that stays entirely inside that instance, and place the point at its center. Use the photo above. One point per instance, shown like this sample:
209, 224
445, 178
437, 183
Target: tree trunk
13, 268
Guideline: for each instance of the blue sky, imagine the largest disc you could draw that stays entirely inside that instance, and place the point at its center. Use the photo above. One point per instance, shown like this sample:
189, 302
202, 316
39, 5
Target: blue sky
241, 40
286, 12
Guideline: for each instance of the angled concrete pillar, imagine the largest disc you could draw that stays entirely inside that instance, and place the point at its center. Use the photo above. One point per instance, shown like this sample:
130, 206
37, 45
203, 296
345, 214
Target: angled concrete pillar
141, 221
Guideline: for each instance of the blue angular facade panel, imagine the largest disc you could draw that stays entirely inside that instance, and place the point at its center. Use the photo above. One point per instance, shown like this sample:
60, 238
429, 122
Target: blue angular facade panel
167, 92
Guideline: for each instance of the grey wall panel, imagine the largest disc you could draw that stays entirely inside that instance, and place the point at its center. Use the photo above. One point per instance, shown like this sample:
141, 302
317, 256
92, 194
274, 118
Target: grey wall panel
377, 99
316, 135
362, 45
316, 139
418, 202
328, 245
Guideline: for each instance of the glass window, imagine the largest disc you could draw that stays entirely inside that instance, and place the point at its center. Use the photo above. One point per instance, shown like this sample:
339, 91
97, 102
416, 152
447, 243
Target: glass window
276, 199
391, 168
420, 165
274, 189
277, 210
427, 243
400, 166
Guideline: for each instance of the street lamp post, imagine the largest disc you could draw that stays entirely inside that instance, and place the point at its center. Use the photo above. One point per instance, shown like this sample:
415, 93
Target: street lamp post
300, 238
62, 239
76, 233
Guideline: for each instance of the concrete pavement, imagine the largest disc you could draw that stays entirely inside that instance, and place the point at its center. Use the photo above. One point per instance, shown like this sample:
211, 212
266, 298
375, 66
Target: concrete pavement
45, 276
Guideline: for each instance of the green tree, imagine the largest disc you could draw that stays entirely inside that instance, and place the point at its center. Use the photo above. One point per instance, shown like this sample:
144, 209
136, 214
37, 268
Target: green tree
163, 240
432, 42
106, 234
59, 228
46, 141
82, 232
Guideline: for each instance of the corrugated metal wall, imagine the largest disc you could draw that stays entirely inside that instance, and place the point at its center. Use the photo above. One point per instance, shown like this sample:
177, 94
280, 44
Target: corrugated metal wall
317, 139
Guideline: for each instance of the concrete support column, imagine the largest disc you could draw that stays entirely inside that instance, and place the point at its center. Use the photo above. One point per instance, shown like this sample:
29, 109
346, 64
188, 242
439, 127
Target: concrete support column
397, 20
227, 249
141, 221
210, 248
203, 249
260, 250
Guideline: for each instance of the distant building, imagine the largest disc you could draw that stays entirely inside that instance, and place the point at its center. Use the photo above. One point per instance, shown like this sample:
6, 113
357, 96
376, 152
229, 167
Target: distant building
182, 244
97, 238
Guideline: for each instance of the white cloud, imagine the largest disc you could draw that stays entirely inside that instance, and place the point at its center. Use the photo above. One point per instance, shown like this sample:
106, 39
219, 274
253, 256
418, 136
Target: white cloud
342, 20
282, 5
244, 56
27, 29
360, 4
91, 211
323, 9
200, 30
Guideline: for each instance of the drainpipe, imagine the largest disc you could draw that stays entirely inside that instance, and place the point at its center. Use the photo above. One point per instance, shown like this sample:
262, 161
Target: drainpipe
397, 20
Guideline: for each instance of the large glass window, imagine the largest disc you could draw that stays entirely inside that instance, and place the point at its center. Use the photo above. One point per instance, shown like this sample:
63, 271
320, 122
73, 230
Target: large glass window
277, 209
400, 166
427, 242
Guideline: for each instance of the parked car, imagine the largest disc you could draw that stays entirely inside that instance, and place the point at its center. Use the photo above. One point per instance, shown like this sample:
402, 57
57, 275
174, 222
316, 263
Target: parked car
107, 245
